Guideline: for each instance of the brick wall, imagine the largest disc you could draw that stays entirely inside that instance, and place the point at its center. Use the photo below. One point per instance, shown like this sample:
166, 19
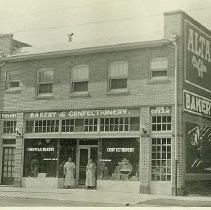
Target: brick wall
141, 90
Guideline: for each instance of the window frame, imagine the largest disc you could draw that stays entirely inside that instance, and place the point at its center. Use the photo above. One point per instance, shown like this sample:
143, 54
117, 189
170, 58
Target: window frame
43, 83
151, 70
74, 81
120, 77
7, 86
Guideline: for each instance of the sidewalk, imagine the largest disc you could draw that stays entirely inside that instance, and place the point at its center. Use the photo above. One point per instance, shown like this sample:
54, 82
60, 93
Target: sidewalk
83, 195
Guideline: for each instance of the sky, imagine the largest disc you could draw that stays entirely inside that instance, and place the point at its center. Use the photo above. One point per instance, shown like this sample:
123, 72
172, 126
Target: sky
46, 22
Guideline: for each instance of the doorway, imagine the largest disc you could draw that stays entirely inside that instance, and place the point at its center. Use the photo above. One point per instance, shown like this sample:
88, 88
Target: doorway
8, 166
85, 153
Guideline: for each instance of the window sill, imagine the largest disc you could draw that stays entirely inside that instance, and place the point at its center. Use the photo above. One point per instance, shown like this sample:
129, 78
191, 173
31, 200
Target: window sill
118, 92
44, 97
159, 80
79, 94
12, 91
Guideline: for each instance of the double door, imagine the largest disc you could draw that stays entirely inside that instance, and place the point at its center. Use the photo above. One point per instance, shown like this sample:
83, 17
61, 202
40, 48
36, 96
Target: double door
85, 153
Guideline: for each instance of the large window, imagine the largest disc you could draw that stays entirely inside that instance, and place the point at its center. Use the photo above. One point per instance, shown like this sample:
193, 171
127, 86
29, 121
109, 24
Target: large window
161, 123
45, 81
43, 158
80, 78
161, 159
118, 74
13, 81
9, 126
158, 68
120, 159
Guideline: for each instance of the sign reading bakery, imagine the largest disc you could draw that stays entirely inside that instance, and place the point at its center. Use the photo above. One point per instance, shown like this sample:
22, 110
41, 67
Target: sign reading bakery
197, 56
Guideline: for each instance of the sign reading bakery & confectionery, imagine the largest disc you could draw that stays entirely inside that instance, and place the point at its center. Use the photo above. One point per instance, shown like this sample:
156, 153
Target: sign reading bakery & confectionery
197, 56
197, 104
160, 110
83, 113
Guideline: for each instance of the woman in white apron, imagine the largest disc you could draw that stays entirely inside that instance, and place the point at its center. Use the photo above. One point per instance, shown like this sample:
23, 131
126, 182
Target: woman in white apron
69, 172
90, 175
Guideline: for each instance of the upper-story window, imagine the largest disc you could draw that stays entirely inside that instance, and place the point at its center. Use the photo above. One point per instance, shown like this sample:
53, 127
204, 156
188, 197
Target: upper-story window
13, 80
118, 74
158, 68
80, 78
45, 81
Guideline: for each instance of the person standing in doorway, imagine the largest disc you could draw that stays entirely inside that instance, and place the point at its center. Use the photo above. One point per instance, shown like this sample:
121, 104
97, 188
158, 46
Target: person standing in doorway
90, 175
69, 172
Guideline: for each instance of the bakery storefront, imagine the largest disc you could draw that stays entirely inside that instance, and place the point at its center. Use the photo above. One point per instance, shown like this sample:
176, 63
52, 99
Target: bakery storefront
109, 136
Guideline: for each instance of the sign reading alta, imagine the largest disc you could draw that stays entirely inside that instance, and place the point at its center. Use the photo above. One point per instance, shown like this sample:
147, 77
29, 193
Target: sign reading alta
197, 56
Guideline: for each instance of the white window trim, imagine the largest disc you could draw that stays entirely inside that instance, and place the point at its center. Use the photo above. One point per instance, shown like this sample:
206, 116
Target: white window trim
38, 83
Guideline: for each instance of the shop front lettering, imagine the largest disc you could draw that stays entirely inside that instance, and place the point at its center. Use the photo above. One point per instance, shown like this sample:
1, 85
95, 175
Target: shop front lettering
43, 115
6, 116
79, 113
120, 149
106, 112
200, 47
197, 104
40, 149
160, 110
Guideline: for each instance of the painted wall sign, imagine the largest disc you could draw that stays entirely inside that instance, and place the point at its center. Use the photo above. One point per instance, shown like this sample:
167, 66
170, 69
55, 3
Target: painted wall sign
197, 104
197, 56
120, 149
83, 113
40, 149
198, 148
160, 110
8, 115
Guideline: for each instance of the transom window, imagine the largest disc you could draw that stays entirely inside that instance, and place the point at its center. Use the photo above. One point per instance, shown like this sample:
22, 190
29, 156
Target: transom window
161, 159
13, 80
9, 126
118, 74
158, 68
80, 78
120, 124
161, 123
42, 126
45, 81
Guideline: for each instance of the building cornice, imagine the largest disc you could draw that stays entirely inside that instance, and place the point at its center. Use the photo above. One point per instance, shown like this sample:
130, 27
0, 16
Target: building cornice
64, 53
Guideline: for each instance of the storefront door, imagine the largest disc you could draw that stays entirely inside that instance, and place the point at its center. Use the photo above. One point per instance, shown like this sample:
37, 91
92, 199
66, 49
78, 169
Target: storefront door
8, 165
85, 152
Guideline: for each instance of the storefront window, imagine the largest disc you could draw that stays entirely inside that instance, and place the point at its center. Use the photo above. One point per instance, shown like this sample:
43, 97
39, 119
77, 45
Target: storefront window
120, 160
43, 158
40, 157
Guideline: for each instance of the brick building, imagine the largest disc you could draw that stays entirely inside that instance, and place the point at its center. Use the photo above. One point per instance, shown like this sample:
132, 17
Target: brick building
114, 104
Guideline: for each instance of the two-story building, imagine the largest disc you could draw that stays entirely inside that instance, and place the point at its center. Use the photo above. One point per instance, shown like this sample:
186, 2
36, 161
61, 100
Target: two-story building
114, 103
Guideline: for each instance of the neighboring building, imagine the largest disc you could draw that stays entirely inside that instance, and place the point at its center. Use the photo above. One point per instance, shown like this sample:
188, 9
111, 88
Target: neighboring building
114, 104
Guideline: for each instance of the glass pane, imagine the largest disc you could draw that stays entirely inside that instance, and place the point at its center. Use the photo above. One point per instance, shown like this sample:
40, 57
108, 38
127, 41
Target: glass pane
14, 84
159, 73
118, 83
80, 86
45, 88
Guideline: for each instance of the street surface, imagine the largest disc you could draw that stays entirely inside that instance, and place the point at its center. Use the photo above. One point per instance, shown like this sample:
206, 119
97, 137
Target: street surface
174, 202
17, 202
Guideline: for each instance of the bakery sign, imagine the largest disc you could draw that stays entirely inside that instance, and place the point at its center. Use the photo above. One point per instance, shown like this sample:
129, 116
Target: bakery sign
197, 104
83, 113
197, 56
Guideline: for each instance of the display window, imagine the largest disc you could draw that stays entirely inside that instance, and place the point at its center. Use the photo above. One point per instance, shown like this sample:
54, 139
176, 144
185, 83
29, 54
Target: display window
46, 157
120, 160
